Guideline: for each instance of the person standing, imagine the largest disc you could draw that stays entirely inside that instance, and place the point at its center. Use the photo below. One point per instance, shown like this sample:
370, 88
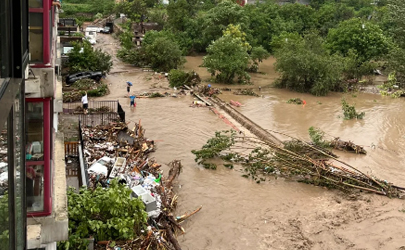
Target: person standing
132, 98
129, 84
85, 102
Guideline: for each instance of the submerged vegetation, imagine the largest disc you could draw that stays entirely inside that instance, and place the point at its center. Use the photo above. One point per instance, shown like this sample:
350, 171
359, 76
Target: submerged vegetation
349, 111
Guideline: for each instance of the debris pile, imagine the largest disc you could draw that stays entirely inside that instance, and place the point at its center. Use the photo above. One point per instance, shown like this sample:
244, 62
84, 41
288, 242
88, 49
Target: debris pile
116, 152
245, 92
208, 90
295, 101
347, 146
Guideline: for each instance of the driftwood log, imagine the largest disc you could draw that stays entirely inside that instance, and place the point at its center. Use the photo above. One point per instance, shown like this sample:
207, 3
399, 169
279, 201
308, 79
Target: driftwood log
347, 146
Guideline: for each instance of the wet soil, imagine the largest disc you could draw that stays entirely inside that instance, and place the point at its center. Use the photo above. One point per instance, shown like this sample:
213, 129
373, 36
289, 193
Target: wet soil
278, 214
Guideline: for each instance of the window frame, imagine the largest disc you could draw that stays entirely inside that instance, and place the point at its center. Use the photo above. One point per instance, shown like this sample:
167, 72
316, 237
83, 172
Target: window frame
46, 26
46, 162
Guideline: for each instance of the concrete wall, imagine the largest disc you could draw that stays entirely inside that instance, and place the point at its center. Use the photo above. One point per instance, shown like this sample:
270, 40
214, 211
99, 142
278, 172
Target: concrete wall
43, 85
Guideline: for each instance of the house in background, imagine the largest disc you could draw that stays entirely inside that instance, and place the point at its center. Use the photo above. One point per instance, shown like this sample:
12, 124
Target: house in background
47, 221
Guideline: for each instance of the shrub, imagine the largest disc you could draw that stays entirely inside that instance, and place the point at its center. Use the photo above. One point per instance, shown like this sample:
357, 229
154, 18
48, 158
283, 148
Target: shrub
104, 213
177, 77
349, 111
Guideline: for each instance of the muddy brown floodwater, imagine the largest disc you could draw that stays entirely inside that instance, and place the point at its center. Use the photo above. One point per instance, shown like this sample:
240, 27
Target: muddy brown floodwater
278, 214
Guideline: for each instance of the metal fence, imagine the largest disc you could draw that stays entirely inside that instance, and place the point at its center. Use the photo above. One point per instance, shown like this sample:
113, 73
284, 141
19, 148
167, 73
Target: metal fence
94, 107
83, 175
99, 112
91, 120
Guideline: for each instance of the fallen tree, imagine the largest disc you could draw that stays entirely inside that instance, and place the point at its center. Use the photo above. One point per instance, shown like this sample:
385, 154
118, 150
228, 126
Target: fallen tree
294, 158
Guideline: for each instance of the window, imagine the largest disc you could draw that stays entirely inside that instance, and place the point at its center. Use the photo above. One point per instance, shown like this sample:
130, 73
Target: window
36, 37
12, 195
4, 45
38, 156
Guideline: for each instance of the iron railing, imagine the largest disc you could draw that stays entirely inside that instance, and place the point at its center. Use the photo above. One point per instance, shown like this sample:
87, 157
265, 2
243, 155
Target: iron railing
94, 107
83, 175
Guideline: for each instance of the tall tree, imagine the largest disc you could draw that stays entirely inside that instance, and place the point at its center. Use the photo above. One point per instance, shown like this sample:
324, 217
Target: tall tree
228, 56
305, 66
396, 10
217, 19
364, 38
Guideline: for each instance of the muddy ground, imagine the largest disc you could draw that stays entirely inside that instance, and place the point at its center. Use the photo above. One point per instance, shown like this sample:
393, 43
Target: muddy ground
278, 214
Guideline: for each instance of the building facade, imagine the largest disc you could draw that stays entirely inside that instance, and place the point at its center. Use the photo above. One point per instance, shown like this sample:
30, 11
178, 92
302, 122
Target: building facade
46, 200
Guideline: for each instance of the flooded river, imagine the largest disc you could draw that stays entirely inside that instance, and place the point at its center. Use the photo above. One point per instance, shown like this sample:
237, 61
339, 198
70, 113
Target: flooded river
278, 214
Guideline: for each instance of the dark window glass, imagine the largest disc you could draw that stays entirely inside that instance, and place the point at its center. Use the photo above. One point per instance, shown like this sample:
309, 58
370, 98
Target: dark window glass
35, 156
36, 37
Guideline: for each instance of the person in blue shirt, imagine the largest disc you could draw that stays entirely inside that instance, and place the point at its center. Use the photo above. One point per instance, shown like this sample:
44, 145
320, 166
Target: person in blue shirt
132, 98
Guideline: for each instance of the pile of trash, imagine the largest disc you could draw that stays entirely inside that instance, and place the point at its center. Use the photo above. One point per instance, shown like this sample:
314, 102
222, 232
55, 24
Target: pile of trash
116, 152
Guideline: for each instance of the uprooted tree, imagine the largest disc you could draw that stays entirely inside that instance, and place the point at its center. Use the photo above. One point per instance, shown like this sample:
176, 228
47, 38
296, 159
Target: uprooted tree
293, 158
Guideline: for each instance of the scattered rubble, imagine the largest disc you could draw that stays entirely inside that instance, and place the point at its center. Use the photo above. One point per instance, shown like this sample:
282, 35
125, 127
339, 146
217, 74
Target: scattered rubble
116, 152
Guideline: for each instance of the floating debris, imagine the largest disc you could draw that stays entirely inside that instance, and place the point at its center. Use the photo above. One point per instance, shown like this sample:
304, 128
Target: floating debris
245, 92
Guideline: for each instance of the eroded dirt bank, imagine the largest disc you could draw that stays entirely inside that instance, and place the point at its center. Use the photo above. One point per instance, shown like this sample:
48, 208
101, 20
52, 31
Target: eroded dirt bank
278, 214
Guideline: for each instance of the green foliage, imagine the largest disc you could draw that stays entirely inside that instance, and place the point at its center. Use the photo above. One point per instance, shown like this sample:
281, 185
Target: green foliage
297, 101
178, 14
163, 53
349, 112
316, 135
354, 68
298, 17
228, 58
105, 214
126, 39
4, 221
213, 148
217, 19
134, 56
72, 8
306, 66
396, 13
177, 77
101, 90
257, 55
132, 9
158, 15
88, 59
79, 34
364, 38
279, 41
389, 88
396, 62
331, 14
